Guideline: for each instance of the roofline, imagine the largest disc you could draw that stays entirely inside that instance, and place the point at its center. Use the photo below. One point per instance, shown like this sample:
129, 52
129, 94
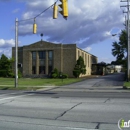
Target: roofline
86, 51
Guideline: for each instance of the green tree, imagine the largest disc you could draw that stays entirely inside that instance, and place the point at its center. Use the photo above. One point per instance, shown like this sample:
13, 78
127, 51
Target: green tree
55, 73
119, 49
5, 66
80, 67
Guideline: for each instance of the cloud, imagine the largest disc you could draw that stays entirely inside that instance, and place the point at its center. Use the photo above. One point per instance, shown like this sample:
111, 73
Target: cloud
89, 22
6, 52
6, 47
88, 49
16, 10
106, 59
7, 43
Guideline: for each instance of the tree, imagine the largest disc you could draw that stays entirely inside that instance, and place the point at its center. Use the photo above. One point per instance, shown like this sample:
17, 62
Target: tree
55, 73
5, 66
120, 48
80, 67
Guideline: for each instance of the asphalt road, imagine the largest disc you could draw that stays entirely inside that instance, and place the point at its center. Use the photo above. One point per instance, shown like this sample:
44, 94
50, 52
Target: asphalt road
92, 104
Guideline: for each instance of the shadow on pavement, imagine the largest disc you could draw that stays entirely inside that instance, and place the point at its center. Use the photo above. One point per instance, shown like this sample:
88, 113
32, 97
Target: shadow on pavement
36, 92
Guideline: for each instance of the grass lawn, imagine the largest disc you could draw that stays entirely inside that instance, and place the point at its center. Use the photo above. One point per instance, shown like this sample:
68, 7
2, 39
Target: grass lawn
28, 83
127, 85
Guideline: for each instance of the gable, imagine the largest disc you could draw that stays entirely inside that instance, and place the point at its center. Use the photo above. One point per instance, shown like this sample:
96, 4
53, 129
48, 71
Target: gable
42, 44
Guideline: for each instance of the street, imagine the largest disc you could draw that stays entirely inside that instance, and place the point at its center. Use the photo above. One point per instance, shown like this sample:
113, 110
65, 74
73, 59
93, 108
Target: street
97, 103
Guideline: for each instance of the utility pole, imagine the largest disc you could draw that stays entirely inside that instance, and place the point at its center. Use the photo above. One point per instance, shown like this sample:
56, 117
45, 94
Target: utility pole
65, 14
16, 52
128, 38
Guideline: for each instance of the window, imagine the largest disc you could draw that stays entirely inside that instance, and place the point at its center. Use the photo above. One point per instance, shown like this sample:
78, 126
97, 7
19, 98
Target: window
78, 53
42, 62
33, 69
83, 55
42, 54
42, 70
50, 55
34, 55
86, 59
34, 62
50, 68
50, 61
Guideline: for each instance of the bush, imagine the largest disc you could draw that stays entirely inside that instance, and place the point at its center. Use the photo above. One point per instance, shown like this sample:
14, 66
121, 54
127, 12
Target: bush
76, 73
80, 67
64, 76
11, 74
55, 73
19, 74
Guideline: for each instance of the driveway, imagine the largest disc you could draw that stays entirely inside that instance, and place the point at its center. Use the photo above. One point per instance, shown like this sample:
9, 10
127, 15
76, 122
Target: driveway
107, 83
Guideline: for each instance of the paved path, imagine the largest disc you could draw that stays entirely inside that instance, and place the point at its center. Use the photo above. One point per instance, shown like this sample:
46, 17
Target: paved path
107, 83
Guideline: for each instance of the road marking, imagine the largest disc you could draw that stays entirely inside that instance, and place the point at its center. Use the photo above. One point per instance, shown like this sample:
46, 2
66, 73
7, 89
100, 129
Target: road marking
8, 98
7, 94
72, 128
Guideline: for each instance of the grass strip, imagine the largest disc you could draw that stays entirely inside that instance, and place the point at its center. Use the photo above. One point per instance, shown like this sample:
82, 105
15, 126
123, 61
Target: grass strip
37, 83
126, 85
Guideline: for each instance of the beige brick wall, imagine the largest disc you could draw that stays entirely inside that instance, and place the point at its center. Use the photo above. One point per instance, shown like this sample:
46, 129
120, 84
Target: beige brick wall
88, 58
58, 59
69, 59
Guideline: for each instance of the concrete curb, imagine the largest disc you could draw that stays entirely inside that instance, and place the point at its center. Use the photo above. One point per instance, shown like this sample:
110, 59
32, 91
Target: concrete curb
47, 89
124, 87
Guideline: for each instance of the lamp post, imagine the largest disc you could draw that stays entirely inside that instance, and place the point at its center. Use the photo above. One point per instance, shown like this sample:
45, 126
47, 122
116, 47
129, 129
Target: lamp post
16, 52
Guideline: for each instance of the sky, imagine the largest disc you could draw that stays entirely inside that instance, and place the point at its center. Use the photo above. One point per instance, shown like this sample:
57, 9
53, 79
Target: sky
90, 25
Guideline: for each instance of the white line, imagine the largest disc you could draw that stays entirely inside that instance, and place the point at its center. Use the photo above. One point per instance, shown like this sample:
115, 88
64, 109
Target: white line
14, 97
7, 94
72, 128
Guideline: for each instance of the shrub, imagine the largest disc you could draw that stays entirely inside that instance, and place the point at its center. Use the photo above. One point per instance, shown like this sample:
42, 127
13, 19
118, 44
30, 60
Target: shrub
76, 73
64, 76
54, 75
60, 74
19, 74
80, 67
11, 74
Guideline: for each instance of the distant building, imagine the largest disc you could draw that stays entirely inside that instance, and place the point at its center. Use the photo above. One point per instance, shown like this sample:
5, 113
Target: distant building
99, 69
114, 68
40, 58
118, 68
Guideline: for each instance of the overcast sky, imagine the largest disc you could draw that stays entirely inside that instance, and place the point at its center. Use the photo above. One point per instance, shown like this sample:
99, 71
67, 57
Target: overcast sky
90, 24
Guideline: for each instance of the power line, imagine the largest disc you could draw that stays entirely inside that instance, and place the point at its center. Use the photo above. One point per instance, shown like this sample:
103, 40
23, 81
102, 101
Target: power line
39, 13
